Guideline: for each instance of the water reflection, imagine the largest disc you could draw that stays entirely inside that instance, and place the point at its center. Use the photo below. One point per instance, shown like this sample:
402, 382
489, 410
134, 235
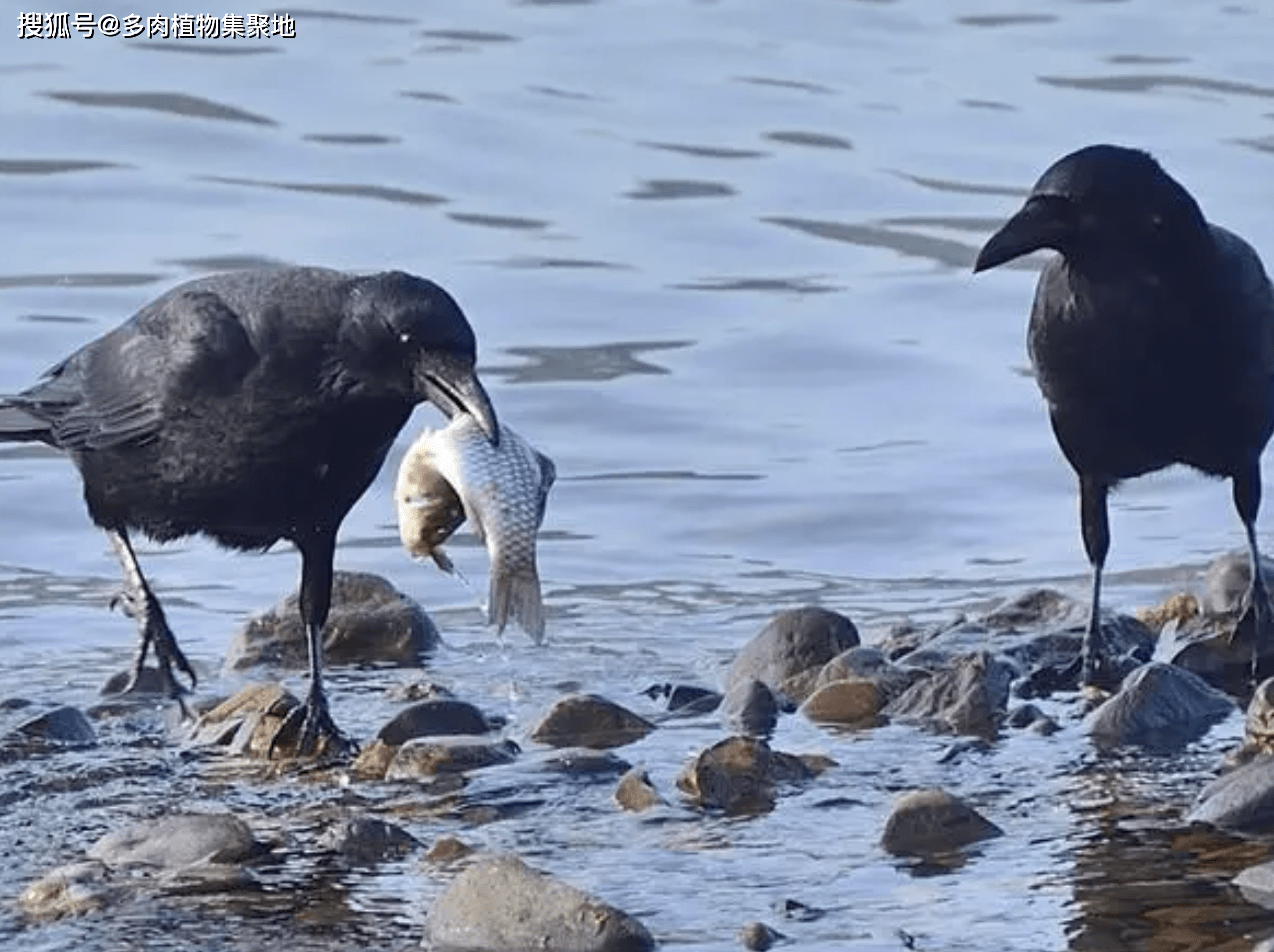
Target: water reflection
175, 104
1149, 82
379, 193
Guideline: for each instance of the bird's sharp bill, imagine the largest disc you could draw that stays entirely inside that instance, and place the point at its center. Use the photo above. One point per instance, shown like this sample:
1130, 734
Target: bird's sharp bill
1032, 228
454, 388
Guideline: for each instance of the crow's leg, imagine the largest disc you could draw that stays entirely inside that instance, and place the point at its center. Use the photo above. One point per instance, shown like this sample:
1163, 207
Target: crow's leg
140, 604
312, 722
1247, 500
1096, 528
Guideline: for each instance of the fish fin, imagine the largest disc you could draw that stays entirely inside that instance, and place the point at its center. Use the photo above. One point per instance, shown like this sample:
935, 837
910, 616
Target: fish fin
548, 476
443, 560
517, 595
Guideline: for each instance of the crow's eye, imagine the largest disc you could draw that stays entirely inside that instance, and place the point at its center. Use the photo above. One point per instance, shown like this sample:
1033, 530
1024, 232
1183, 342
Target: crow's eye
405, 337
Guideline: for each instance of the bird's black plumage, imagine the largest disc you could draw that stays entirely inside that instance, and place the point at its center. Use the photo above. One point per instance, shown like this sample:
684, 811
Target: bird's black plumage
1152, 339
251, 407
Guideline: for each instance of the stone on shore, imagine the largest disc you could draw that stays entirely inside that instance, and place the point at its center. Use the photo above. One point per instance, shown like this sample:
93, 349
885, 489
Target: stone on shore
370, 622
789, 651
500, 904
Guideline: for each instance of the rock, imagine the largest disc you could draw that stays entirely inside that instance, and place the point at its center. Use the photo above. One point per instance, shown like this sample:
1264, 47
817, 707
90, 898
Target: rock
587, 763
366, 841
1160, 706
685, 698
1226, 580
413, 691
1218, 648
1024, 716
789, 651
852, 702
248, 722
448, 849
1241, 800
636, 793
433, 718
62, 726
872, 664
1257, 884
500, 905
969, 697
371, 622
150, 682
751, 708
758, 937
1258, 727
587, 720
425, 756
71, 890
740, 775
927, 822
180, 840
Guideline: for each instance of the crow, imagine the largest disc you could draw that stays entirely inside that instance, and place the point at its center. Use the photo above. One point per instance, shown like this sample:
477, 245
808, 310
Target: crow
1152, 340
251, 407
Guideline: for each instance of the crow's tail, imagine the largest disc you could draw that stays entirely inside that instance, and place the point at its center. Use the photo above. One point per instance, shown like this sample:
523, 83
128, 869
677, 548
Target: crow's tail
19, 426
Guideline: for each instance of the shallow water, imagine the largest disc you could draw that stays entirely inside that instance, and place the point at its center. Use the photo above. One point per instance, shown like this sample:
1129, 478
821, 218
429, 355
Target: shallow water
717, 257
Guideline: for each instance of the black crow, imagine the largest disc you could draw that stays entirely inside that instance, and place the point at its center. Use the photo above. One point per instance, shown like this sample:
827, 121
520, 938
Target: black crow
251, 407
1152, 339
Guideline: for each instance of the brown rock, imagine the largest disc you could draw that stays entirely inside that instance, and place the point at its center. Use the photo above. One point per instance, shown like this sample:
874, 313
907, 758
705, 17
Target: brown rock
789, 651
926, 822
587, 720
636, 793
426, 756
968, 697
740, 775
448, 849
853, 702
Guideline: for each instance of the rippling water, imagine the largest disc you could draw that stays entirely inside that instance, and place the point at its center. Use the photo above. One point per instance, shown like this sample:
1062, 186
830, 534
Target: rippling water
717, 255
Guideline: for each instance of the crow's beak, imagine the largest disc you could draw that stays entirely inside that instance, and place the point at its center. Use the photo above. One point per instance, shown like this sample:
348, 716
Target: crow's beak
1038, 225
451, 385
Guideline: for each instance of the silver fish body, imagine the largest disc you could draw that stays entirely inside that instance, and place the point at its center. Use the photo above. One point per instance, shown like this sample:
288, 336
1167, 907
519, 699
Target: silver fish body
502, 490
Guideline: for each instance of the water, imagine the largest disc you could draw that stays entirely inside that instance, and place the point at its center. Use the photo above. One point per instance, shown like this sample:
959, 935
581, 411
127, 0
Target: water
717, 257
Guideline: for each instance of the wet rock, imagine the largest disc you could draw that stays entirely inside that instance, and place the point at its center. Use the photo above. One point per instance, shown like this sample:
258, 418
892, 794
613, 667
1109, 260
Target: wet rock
373, 760
928, 822
1257, 884
426, 756
588, 720
587, 763
751, 708
685, 698
968, 697
247, 722
852, 702
789, 651
180, 840
1241, 800
1159, 706
962, 749
1226, 580
365, 841
758, 937
500, 904
741, 775
370, 622
62, 726
448, 849
1217, 648
433, 718
636, 793
413, 691
872, 664
71, 890
149, 682
1028, 716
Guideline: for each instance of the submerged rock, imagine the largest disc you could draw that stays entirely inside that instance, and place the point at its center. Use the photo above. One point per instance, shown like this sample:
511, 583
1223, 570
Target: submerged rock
751, 708
758, 937
178, 840
365, 841
589, 720
789, 651
968, 697
1159, 706
433, 718
500, 905
426, 756
685, 698
370, 622
63, 726
636, 793
928, 822
73, 890
741, 775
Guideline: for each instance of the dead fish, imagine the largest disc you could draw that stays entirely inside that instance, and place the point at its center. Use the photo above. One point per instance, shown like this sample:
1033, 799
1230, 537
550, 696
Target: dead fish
453, 474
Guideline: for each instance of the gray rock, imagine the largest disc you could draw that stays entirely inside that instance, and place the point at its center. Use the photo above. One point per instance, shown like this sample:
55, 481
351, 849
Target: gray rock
588, 720
426, 756
1257, 884
433, 718
1241, 800
502, 905
366, 841
586, 763
758, 937
370, 622
179, 840
789, 651
71, 890
63, 725
751, 708
1160, 706
969, 697
870, 663
929, 822
1225, 582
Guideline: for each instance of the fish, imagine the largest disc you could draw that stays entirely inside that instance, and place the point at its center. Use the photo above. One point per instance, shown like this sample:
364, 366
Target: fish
453, 474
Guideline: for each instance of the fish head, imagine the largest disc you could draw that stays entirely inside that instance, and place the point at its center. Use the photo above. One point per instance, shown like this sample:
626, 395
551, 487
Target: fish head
407, 334
1102, 202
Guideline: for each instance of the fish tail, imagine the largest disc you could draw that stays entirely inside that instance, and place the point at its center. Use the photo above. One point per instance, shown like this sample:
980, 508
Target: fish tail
443, 560
516, 594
